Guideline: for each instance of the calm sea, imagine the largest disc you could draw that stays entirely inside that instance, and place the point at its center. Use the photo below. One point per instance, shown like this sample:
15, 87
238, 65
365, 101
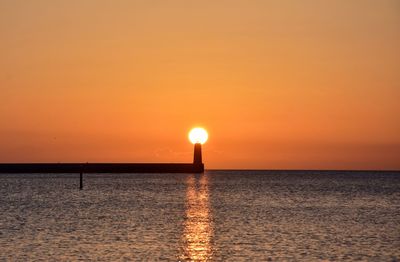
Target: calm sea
219, 215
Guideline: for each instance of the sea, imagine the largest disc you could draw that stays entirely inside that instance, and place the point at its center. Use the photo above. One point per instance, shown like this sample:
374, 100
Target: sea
221, 215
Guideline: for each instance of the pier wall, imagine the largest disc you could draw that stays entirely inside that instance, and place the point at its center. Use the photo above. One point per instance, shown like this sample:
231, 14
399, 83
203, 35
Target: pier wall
102, 168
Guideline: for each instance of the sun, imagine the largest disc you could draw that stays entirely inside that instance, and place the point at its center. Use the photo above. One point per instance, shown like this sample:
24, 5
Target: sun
198, 135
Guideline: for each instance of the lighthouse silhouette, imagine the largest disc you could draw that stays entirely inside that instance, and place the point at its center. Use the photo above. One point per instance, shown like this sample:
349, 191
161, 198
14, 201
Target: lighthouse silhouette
197, 158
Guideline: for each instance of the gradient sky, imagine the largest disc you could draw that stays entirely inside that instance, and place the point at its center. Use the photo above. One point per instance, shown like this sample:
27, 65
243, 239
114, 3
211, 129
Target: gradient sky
307, 84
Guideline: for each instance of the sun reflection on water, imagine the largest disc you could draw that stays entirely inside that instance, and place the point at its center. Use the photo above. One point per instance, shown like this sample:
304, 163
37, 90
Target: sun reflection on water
198, 229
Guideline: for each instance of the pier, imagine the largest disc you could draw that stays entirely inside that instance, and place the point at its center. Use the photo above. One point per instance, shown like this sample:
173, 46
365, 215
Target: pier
196, 167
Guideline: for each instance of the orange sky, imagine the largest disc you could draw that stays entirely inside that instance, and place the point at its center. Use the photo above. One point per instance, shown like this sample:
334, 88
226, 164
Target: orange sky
278, 84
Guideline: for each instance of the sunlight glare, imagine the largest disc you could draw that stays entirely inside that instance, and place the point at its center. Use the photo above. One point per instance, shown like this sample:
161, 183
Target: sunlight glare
198, 135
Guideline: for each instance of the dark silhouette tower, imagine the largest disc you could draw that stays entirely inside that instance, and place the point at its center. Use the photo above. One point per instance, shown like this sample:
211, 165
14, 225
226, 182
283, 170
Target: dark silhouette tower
197, 158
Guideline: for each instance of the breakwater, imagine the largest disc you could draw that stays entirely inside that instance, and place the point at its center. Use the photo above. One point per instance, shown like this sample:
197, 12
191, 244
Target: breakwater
101, 168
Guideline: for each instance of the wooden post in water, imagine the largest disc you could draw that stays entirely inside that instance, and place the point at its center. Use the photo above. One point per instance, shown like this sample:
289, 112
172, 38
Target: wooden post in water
80, 181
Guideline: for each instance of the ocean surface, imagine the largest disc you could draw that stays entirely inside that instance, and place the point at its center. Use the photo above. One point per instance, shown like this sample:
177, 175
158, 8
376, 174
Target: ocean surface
218, 215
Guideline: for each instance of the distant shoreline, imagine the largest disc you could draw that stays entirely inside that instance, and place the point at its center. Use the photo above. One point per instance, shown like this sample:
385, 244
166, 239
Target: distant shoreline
303, 170
154, 168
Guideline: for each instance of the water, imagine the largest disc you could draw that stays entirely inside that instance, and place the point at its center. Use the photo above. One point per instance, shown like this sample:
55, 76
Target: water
221, 215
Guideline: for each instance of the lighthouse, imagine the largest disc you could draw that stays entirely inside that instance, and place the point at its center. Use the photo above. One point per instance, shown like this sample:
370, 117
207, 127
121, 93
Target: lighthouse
198, 136
197, 158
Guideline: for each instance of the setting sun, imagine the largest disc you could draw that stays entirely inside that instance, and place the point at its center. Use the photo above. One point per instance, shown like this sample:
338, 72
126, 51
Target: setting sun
198, 135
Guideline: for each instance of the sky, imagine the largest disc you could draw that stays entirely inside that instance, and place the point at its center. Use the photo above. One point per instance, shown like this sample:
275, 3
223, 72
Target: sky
282, 84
